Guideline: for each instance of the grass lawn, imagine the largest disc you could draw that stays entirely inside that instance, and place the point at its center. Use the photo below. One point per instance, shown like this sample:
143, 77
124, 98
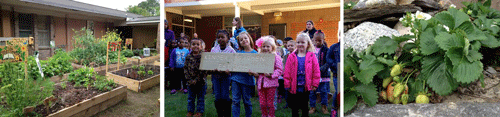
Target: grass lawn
176, 105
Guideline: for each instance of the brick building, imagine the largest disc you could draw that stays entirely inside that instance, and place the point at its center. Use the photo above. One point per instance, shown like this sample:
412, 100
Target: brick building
56, 20
284, 18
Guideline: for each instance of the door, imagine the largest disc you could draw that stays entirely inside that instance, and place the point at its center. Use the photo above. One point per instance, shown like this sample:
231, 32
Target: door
42, 36
278, 30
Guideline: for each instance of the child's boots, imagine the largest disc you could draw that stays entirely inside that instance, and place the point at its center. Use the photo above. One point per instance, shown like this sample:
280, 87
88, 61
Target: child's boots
323, 108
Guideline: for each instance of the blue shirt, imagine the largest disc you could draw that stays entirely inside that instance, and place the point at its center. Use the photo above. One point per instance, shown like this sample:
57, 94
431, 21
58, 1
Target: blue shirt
243, 78
179, 56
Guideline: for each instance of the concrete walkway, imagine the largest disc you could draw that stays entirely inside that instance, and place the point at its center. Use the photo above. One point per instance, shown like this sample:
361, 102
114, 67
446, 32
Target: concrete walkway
464, 109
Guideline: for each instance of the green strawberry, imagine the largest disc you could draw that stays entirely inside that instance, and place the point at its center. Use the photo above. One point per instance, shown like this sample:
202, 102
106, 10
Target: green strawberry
386, 82
383, 94
398, 89
422, 99
396, 79
396, 70
404, 99
397, 100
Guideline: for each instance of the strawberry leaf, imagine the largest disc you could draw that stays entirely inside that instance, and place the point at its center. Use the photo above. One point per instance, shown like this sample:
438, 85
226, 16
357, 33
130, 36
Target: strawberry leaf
350, 101
368, 92
384, 45
467, 72
427, 43
435, 71
446, 18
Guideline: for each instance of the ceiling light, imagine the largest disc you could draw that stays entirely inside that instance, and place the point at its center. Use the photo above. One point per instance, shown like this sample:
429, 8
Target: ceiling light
277, 14
188, 20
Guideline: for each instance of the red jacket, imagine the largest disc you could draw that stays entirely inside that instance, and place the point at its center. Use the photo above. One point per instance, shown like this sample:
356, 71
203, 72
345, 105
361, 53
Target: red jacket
313, 74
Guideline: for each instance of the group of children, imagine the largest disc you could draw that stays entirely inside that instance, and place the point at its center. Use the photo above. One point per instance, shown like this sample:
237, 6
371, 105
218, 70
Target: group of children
301, 69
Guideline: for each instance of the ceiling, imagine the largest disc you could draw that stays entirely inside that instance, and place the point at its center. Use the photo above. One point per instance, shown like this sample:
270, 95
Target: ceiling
247, 7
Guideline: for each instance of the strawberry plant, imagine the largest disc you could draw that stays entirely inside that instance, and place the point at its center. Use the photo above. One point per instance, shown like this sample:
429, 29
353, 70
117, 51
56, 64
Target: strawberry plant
86, 77
442, 54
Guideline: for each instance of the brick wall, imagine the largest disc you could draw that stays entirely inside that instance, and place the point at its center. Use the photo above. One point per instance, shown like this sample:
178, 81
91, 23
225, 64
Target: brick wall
144, 35
296, 22
207, 27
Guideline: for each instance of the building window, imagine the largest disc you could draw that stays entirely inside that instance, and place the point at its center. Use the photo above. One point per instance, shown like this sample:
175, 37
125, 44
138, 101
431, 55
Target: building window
25, 25
183, 24
90, 25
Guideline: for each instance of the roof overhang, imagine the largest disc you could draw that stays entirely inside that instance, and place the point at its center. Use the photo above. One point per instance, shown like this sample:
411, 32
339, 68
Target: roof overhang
66, 8
247, 7
140, 21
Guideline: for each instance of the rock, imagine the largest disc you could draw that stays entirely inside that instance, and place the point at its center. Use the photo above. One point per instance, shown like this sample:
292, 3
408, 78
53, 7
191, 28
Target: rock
373, 3
402, 29
365, 34
428, 110
404, 2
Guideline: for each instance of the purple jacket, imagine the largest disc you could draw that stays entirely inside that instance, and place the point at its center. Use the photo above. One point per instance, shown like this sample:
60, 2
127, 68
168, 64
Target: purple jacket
265, 82
313, 74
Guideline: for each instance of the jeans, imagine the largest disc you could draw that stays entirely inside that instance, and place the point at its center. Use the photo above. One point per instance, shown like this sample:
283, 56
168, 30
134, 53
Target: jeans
240, 91
196, 92
323, 89
221, 88
334, 80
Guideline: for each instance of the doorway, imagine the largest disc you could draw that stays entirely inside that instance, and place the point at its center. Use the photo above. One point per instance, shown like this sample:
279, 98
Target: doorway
278, 30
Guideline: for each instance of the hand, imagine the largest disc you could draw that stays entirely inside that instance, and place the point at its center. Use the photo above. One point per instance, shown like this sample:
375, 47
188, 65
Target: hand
267, 75
314, 88
252, 73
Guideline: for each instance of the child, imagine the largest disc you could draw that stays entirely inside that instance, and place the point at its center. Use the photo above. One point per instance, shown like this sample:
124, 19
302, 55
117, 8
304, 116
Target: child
290, 45
220, 80
301, 75
197, 87
324, 85
242, 83
177, 58
168, 49
333, 58
267, 83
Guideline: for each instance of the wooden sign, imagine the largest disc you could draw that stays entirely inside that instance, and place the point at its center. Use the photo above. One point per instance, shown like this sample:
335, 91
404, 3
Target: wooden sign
238, 62
14, 50
113, 46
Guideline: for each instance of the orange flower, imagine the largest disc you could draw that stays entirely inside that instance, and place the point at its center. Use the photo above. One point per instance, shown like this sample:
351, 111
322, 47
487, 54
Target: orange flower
23, 48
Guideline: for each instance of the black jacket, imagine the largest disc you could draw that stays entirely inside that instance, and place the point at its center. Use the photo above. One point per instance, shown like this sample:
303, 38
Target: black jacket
311, 33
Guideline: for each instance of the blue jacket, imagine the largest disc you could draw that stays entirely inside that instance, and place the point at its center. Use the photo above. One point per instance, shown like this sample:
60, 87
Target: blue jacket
169, 35
333, 57
323, 63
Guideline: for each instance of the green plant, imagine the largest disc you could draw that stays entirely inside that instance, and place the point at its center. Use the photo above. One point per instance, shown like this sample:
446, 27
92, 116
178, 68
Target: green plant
138, 52
16, 92
103, 84
349, 5
142, 67
150, 72
63, 85
127, 53
445, 52
82, 77
92, 50
134, 66
141, 73
58, 64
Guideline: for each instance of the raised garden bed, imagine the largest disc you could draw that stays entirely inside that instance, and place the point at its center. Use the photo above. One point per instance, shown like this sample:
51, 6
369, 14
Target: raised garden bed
101, 70
134, 81
80, 101
149, 59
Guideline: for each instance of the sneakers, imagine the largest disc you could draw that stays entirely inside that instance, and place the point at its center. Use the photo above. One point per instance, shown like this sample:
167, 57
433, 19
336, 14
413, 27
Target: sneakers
185, 91
173, 91
312, 110
334, 113
323, 108
198, 115
190, 114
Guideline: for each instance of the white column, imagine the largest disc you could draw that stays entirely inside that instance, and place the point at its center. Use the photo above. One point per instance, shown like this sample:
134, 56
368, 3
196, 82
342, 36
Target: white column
236, 13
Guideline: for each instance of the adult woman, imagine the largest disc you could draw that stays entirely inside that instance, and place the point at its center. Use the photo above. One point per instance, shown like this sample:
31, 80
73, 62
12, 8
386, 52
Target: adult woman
310, 28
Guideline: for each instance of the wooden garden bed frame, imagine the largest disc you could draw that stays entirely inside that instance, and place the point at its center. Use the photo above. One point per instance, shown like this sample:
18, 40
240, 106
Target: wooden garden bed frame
134, 85
146, 60
94, 105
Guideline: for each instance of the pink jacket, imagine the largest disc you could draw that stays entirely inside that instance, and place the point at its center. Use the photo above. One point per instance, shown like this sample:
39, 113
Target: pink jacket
313, 74
265, 82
